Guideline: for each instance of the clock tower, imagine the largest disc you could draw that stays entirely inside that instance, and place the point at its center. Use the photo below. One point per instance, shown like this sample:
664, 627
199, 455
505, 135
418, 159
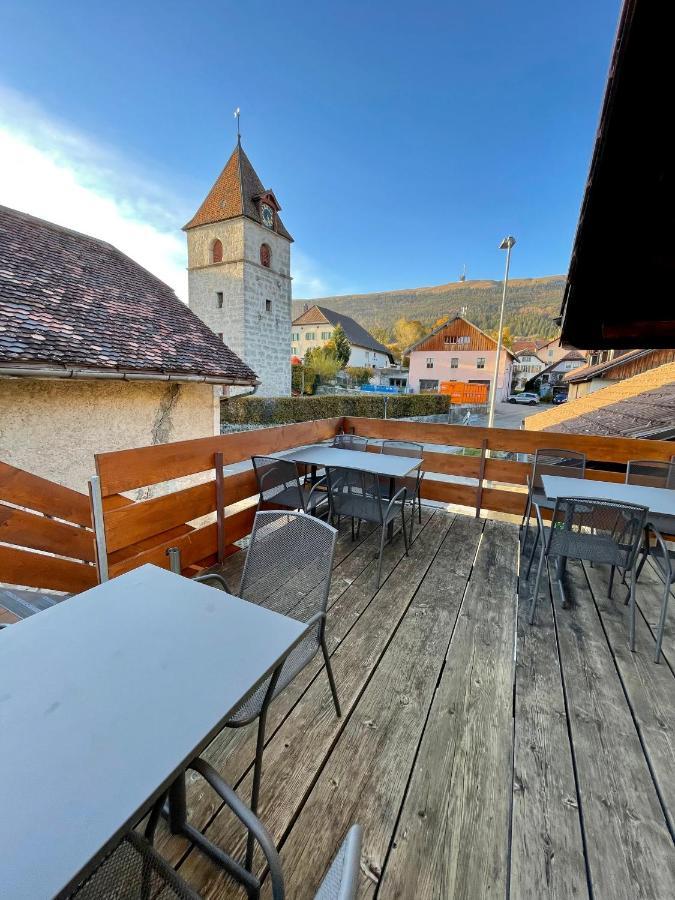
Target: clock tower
239, 280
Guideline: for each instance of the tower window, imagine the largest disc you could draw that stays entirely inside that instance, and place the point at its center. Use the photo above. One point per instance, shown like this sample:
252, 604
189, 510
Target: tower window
217, 251
265, 255
219, 299
268, 306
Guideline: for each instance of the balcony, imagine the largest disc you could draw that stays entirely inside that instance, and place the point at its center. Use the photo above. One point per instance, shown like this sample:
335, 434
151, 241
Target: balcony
473, 773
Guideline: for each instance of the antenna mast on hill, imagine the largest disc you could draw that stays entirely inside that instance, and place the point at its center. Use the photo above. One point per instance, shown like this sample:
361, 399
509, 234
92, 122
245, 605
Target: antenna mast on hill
462, 277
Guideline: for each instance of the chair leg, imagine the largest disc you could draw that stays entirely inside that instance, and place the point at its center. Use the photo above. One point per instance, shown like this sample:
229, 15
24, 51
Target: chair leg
644, 554
379, 564
526, 517
632, 606
353, 534
534, 548
662, 621
255, 790
611, 582
419, 509
535, 595
405, 533
331, 679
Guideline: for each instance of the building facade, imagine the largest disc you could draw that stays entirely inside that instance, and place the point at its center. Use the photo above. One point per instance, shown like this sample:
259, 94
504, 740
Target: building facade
315, 326
458, 351
526, 365
239, 272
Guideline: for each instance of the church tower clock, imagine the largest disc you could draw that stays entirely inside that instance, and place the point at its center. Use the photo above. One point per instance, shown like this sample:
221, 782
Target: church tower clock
239, 280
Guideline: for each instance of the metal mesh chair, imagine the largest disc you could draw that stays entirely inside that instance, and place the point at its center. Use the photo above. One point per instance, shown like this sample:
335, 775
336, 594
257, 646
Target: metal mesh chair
653, 473
412, 483
598, 531
134, 871
279, 483
359, 496
350, 442
287, 569
663, 556
548, 461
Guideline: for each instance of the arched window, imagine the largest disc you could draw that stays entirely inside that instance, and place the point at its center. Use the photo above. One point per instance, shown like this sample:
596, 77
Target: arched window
265, 255
216, 251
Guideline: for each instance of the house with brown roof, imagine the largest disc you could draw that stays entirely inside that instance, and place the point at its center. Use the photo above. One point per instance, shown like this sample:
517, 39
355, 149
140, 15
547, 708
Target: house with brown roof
315, 326
619, 366
457, 350
550, 379
97, 354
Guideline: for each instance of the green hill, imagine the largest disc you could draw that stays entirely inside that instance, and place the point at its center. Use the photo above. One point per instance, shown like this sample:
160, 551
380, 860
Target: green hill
531, 304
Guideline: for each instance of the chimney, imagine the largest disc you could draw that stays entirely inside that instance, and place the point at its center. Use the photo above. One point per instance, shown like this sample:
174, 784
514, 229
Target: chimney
305, 308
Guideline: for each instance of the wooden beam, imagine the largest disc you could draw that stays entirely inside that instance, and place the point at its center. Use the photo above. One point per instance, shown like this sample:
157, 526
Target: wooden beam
24, 567
28, 490
38, 532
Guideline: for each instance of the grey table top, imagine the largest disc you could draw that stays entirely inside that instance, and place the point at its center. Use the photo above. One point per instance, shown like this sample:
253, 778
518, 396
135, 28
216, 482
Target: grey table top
660, 501
360, 460
104, 699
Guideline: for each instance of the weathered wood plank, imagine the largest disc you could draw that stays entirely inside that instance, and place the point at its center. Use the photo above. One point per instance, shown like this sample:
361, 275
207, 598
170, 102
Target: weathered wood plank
366, 774
25, 489
650, 688
547, 855
124, 470
23, 567
452, 837
37, 532
296, 753
630, 851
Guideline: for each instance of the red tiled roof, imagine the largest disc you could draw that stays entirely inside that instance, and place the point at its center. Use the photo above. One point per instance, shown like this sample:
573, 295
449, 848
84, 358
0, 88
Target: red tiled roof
234, 194
67, 299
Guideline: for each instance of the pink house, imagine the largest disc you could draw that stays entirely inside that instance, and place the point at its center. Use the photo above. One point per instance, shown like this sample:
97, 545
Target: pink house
457, 351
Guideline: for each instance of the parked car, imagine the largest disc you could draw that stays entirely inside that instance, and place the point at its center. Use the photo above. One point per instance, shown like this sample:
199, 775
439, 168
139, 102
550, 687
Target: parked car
525, 397
559, 398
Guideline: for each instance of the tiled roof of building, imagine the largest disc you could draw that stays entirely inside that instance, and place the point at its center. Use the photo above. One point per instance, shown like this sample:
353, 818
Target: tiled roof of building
73, 301
356, 335
586, 373
573, 355
642, 406
234, 194
445, 324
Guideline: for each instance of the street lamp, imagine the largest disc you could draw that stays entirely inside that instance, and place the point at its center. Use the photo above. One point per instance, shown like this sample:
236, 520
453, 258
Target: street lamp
506, 244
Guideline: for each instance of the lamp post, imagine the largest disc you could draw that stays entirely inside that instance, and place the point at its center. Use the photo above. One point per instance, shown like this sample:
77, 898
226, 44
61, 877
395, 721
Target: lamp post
506, 244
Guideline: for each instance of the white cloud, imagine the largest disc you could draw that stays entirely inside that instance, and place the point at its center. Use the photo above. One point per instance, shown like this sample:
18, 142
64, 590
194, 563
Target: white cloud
51, 171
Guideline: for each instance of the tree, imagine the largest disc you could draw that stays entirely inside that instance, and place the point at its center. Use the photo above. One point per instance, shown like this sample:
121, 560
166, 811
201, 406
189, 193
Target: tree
407, 332
381, 334
359, 374
440, 321
339, 346
322, 363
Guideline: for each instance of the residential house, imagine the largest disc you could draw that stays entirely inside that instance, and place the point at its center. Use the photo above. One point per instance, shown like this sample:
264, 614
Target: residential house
553, 351
549, 380
526, 364
315, 326
458, 351
391, 376
641, 407
590, 378
97, 354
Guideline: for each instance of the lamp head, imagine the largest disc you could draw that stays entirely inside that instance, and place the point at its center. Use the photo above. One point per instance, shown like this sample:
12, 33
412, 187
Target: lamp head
507, 243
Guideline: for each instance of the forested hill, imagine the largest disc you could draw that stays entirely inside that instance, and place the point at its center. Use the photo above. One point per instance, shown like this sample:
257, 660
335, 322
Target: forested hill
530, 306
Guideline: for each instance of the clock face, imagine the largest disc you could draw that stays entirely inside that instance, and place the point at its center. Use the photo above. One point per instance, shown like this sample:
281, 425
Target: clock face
267, 215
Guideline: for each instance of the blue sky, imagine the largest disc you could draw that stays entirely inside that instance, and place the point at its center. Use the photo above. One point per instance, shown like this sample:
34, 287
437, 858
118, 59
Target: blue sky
402, 140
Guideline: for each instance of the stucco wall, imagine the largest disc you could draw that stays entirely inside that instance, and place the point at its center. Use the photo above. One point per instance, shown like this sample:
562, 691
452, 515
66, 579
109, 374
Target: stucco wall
466, 371
53, 428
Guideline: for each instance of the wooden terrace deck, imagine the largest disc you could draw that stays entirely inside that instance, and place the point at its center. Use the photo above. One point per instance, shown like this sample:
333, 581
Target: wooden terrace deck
472, 776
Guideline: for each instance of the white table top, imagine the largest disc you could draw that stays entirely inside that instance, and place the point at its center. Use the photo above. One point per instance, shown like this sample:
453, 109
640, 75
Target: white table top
660, 501
103, 700
360, 460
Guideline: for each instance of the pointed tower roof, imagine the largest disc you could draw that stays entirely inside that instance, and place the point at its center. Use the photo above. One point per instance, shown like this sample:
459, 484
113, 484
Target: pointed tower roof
237, 192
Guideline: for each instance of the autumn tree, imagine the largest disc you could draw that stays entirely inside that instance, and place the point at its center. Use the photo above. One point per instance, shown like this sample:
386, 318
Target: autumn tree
339, 346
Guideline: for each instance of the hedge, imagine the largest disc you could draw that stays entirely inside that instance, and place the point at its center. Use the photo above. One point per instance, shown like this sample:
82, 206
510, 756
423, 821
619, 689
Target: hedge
283, 410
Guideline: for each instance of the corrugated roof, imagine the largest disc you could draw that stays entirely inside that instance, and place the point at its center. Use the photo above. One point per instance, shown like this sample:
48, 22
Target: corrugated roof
586, 373
235, 193
67, 299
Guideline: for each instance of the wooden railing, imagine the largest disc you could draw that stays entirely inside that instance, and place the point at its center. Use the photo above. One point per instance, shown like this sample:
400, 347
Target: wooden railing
46, 539
141, 531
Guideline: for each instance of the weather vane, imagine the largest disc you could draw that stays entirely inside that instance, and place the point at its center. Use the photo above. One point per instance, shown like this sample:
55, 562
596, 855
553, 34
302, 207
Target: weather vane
237, 113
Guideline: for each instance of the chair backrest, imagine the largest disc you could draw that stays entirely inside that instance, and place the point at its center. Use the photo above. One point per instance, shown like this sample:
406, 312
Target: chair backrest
354, 493
403, 448
275, 476
603, 530
549, 461
350, 442
288, 564
651, 473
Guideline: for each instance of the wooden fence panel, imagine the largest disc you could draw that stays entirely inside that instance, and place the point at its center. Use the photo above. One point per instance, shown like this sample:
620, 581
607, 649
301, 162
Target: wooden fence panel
26, 529
38, 570
25, 489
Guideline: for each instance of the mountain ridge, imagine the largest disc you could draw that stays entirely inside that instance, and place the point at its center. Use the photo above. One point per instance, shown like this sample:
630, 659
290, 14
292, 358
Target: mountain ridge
531, 304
